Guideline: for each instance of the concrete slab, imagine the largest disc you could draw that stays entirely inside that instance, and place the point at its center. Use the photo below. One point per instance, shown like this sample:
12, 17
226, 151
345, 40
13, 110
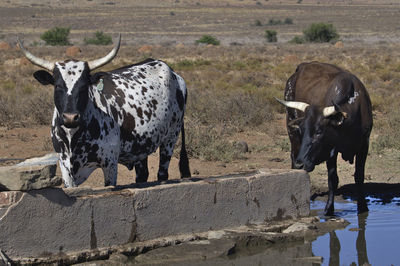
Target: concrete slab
35, 173
57, 221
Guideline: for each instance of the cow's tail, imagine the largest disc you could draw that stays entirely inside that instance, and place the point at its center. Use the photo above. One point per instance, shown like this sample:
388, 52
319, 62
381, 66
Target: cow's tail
183, 158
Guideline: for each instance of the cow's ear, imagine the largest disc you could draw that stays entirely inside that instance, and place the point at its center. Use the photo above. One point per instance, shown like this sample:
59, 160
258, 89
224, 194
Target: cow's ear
96, 76
44, 77
337, 119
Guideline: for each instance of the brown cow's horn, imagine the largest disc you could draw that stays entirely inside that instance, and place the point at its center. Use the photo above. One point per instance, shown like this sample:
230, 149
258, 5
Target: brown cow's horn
292, 104
328, 111
102, 61
36, 60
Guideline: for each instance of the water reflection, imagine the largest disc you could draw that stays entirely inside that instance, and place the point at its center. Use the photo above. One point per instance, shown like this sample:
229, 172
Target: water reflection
368, 240
361, 244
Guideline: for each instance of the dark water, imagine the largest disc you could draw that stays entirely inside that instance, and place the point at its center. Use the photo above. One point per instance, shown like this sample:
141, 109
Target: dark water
372, 237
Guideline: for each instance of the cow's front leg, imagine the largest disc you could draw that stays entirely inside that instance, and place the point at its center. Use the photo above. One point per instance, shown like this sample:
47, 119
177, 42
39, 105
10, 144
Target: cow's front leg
142, 171
110, 174
333, 181
66, 172
361, 157
165, 157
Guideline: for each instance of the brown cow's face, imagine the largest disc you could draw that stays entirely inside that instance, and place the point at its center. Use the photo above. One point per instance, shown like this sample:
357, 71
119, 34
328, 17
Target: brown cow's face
318, 137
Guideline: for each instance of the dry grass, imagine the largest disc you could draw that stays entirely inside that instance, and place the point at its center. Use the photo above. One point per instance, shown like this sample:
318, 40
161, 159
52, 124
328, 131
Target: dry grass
231, 88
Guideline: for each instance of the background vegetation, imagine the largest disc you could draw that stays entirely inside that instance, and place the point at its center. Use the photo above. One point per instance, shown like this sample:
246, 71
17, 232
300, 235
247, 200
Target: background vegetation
56, 36
231, 90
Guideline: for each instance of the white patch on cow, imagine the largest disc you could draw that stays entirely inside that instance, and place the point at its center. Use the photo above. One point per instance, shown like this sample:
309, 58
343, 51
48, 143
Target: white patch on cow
353, 99
70, 71
65, 166
69, 132
289, 90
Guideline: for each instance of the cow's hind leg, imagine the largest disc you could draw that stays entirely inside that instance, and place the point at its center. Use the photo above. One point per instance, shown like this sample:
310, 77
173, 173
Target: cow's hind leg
333, 181
183, 158
110, 174
361, 157
166, 151
142, 171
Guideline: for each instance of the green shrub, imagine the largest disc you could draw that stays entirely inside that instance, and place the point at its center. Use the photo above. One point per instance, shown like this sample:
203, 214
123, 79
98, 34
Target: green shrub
208, 39
288, 21
99, 38
320, 32
257, 23
271, 35
273, 22
297, 40
56, 36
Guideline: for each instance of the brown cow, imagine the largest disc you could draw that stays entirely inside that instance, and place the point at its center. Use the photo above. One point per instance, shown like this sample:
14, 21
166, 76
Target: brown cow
328, 111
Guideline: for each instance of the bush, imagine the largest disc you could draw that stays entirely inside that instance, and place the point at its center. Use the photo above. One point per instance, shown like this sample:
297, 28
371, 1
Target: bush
208, 39
273, 22
320, 32
288, 21
297, 40
271, 35
100, 38
56, 36
257, 23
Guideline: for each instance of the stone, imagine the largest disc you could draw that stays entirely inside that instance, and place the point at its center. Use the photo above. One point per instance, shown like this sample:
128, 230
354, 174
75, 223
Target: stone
72, 51
339, 44
145, 49
291, 59
191, 251
93, 220
296, 227
35, 173
5, 46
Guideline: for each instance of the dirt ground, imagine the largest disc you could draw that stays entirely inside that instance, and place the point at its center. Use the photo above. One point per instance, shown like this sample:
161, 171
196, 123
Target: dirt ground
176, 22
21, 143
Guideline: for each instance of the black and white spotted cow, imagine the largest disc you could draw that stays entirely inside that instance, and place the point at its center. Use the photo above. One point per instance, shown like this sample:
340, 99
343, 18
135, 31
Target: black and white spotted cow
120, 116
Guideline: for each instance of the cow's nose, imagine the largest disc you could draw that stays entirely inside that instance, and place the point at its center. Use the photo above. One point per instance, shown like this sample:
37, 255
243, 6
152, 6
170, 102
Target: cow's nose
299, 165
71, 119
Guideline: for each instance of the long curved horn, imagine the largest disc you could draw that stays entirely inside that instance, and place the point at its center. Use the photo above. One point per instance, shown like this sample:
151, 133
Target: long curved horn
328, 111
36, 60
292, 104
102, 61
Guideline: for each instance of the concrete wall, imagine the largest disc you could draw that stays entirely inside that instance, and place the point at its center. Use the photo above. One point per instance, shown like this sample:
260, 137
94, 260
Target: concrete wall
54, 221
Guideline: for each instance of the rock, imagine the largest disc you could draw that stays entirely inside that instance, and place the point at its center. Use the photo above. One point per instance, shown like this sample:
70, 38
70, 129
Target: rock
191, 251
241, 146
118, 258
339, 44
296, 227
72, 51
4, 46
145, 49
35, 173
291, 59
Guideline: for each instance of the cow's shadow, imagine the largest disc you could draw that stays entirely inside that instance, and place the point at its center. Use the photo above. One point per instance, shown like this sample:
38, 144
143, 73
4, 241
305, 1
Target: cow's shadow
384, 192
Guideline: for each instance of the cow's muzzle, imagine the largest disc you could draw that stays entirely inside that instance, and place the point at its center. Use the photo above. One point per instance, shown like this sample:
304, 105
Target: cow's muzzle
309, 167
71, 120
